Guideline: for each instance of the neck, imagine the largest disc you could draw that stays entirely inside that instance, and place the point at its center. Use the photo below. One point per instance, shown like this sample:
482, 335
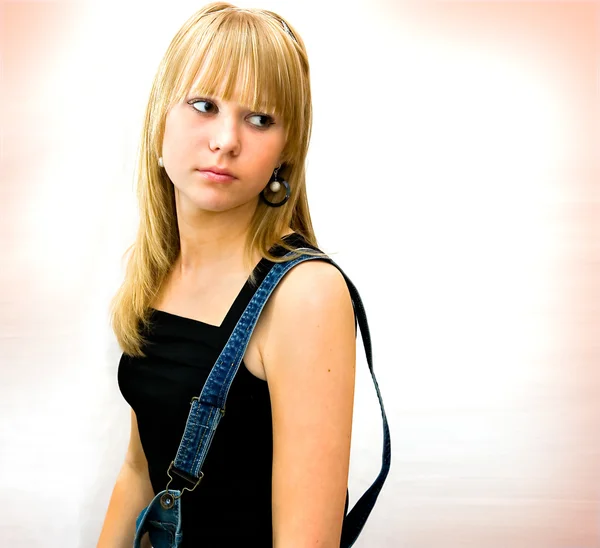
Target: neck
212, 240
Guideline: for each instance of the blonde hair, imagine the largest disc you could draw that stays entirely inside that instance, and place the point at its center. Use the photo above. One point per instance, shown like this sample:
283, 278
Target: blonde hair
219, 47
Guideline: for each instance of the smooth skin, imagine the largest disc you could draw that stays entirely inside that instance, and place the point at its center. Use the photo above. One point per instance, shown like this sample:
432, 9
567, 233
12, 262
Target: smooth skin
304, 343
308, 350
131, 494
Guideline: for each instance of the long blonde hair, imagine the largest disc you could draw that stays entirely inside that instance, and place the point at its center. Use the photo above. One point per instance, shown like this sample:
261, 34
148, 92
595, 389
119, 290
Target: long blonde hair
218, 47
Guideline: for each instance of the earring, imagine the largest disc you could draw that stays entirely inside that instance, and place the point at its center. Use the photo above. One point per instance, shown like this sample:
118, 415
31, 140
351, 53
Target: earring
275, 186
160, 162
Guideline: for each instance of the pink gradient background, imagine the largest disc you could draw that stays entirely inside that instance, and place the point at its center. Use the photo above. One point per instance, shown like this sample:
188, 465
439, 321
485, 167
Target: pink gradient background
561, 509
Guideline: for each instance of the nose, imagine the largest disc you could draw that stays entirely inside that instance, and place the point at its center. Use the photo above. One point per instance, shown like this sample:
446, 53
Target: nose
225, 137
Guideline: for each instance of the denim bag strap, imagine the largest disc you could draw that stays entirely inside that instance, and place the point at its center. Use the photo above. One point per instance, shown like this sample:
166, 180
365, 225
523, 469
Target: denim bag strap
208, 409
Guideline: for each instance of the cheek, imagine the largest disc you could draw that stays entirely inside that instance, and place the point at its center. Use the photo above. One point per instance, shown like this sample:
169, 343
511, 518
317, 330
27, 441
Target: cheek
176, 142
267, 153
263, 163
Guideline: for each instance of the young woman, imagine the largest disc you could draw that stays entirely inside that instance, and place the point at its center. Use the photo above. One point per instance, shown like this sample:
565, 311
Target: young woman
222, 198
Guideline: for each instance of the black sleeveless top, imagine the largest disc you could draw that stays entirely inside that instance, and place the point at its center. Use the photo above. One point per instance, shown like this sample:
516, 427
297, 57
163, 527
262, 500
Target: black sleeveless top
232, 504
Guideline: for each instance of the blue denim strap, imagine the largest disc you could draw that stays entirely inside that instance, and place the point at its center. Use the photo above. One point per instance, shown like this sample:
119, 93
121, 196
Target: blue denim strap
207, 409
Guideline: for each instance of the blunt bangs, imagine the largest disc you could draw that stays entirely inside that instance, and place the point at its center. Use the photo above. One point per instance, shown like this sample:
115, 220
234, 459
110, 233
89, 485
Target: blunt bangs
238, 56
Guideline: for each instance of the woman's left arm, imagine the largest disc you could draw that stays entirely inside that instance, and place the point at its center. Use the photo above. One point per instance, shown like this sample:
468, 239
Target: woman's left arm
309, 356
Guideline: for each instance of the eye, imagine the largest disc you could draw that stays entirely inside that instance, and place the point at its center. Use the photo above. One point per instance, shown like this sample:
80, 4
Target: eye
261, 120
207, 107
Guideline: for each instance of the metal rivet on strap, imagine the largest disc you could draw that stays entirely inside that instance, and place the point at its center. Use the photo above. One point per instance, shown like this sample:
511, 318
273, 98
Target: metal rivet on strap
167, 501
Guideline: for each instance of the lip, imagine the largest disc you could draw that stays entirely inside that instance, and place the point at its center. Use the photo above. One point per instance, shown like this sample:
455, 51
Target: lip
217, 175
219, 170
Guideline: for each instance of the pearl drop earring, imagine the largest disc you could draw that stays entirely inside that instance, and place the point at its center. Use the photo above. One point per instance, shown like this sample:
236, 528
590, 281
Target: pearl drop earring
275, 185
160, 162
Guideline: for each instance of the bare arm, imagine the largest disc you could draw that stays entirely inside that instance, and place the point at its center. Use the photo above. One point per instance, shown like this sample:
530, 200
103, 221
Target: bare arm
131, 494
309, 354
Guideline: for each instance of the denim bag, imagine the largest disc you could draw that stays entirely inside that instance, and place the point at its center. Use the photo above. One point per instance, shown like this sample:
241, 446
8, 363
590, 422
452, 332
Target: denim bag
161, 519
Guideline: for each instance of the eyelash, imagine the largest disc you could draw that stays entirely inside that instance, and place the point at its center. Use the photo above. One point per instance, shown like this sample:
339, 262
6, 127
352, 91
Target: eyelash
269, 118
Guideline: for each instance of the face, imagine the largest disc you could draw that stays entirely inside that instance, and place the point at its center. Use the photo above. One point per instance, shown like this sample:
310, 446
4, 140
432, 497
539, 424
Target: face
219, 154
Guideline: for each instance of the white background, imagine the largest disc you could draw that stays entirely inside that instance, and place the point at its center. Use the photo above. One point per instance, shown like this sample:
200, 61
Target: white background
452, 174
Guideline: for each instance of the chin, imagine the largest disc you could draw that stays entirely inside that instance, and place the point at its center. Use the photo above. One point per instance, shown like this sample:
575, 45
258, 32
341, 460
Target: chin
216, 200
222, 204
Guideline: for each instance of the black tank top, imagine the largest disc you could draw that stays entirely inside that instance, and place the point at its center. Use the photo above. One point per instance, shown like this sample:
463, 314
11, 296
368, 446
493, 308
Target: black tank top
232, 504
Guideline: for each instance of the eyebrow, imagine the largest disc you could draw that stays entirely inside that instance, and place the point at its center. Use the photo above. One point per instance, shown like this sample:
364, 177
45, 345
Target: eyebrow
198, 96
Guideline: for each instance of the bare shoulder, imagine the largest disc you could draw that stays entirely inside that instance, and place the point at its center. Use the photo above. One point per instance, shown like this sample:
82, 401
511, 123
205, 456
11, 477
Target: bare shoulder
311, 287
315, 277
309, 363
311, 302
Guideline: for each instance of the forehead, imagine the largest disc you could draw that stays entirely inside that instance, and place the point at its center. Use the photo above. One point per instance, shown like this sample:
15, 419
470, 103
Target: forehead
222, 90
239, 84
254, 75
